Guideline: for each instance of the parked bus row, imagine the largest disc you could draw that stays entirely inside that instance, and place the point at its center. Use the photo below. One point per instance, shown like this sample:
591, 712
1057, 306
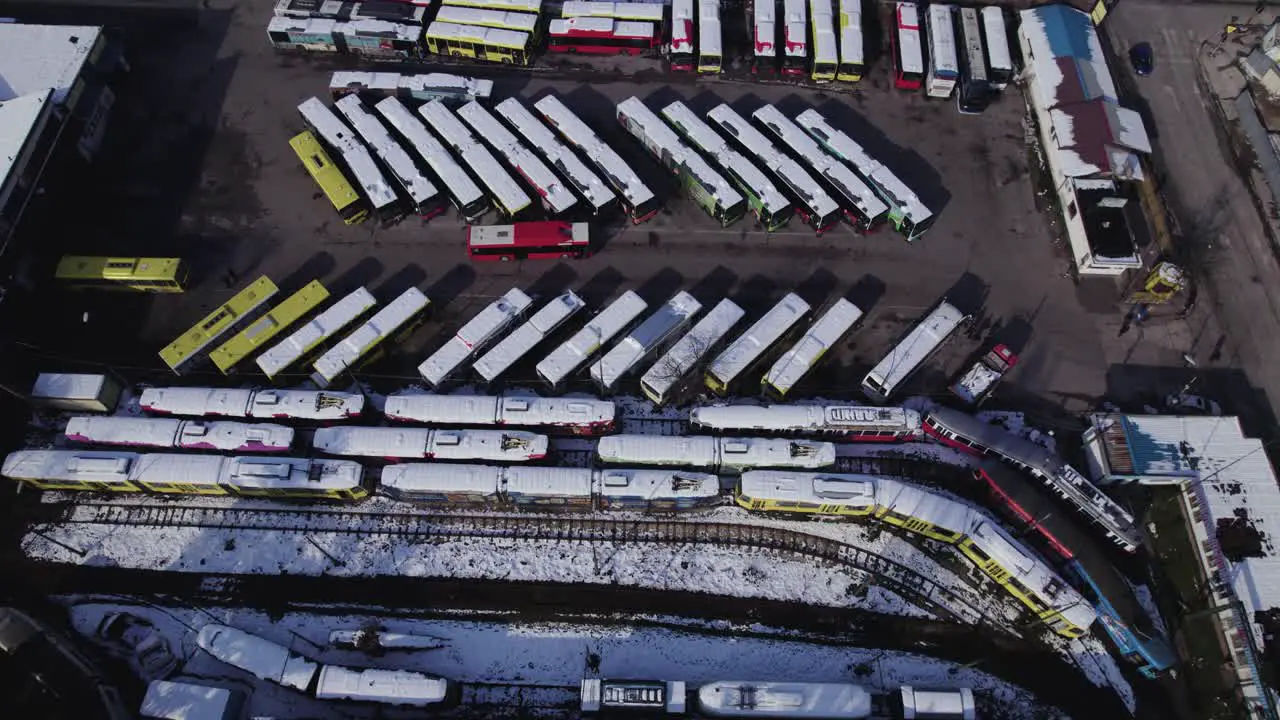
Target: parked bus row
967, 47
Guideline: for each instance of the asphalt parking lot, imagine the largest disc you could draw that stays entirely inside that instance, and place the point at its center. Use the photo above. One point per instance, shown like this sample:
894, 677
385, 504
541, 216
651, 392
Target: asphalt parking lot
200, 167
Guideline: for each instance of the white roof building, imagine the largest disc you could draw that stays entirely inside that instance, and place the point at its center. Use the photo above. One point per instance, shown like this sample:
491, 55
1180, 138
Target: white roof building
1231, 506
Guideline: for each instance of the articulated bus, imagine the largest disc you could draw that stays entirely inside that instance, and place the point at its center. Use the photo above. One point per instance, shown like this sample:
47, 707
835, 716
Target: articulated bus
852, 56
908, 51
426, 199
975, 88
680, 51
907, 213
374, 86
587, 183
751, 347
525, 6
911, 352
465, 195
814, 205
944, 70
505, 191
520, 22
391, 11
764, 36
556, 197
602, 36
710, 37
763, 198
826, 54
638, 11
351, 207
372, 39
508, 47
180, 353
396, 320
260, 331
306, 340
795, 34
705, 186
152, 275
995, 39
859, 203
639, 201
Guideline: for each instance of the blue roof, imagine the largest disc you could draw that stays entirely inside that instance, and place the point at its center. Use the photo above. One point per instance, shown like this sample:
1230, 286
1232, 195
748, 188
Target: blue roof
1068, 30
1153, 456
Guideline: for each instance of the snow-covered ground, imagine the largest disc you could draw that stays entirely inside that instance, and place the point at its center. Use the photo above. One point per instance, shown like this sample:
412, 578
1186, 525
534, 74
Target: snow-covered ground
548, 655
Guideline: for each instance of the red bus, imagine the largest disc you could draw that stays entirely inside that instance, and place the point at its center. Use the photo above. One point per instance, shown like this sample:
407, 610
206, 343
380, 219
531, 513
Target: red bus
601, 36
908, 53
529, 241
680, 51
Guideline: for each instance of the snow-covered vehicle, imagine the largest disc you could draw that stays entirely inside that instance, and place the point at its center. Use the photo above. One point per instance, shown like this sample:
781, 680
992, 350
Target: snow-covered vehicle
980, 380
137, 641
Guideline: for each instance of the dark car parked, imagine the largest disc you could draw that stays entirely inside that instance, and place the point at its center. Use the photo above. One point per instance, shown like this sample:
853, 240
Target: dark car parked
1143, 58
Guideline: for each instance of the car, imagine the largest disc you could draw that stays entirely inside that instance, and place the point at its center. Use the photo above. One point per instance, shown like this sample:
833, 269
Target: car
139, 642
1143, 58
1188, 404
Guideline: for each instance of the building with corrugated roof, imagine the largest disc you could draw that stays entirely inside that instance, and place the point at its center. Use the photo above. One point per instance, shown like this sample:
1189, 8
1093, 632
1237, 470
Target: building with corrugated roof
1230, 502
1093, 146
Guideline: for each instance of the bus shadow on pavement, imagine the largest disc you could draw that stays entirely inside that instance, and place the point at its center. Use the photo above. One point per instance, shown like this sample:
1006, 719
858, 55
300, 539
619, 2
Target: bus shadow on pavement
360, 275
315, 267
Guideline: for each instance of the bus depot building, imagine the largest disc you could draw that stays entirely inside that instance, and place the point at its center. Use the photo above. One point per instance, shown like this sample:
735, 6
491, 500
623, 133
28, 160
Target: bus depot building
1212, 524
54, 103
1092, 146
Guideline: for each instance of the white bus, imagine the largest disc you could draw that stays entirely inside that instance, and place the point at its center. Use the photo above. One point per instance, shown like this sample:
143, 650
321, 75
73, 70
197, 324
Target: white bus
795, 37
333, 9
504, 190
995, 39
587, 183
355, 156
564, 360
666, 374
427, 200
641, 11
975, 87
705, 186
397, 318
852, 56
795, 363
764, 27
472, 337
556, 198
911, 352
680, 51
749, 348
826, 52
640, 202
859, 203
465, 195
308, 338
646, 338
815, 206
906, 211
429, 86
526, 337
710, 37
769, 205
944, 69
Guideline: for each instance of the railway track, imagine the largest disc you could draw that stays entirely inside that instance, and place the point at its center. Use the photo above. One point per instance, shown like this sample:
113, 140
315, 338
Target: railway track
910, 584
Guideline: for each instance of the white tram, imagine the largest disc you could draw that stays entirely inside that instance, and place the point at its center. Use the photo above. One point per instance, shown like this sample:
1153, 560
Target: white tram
526, 337
481, 330
405, 442
734, 698
186, 434
859, 423
186, 474
633, 695
715, 453
293, 404
401, 688
545, 488
578, 416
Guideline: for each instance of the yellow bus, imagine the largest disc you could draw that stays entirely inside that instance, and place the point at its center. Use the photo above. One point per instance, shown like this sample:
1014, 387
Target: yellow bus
179, 353
156, 275
510, 47
266, 327
350, 206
